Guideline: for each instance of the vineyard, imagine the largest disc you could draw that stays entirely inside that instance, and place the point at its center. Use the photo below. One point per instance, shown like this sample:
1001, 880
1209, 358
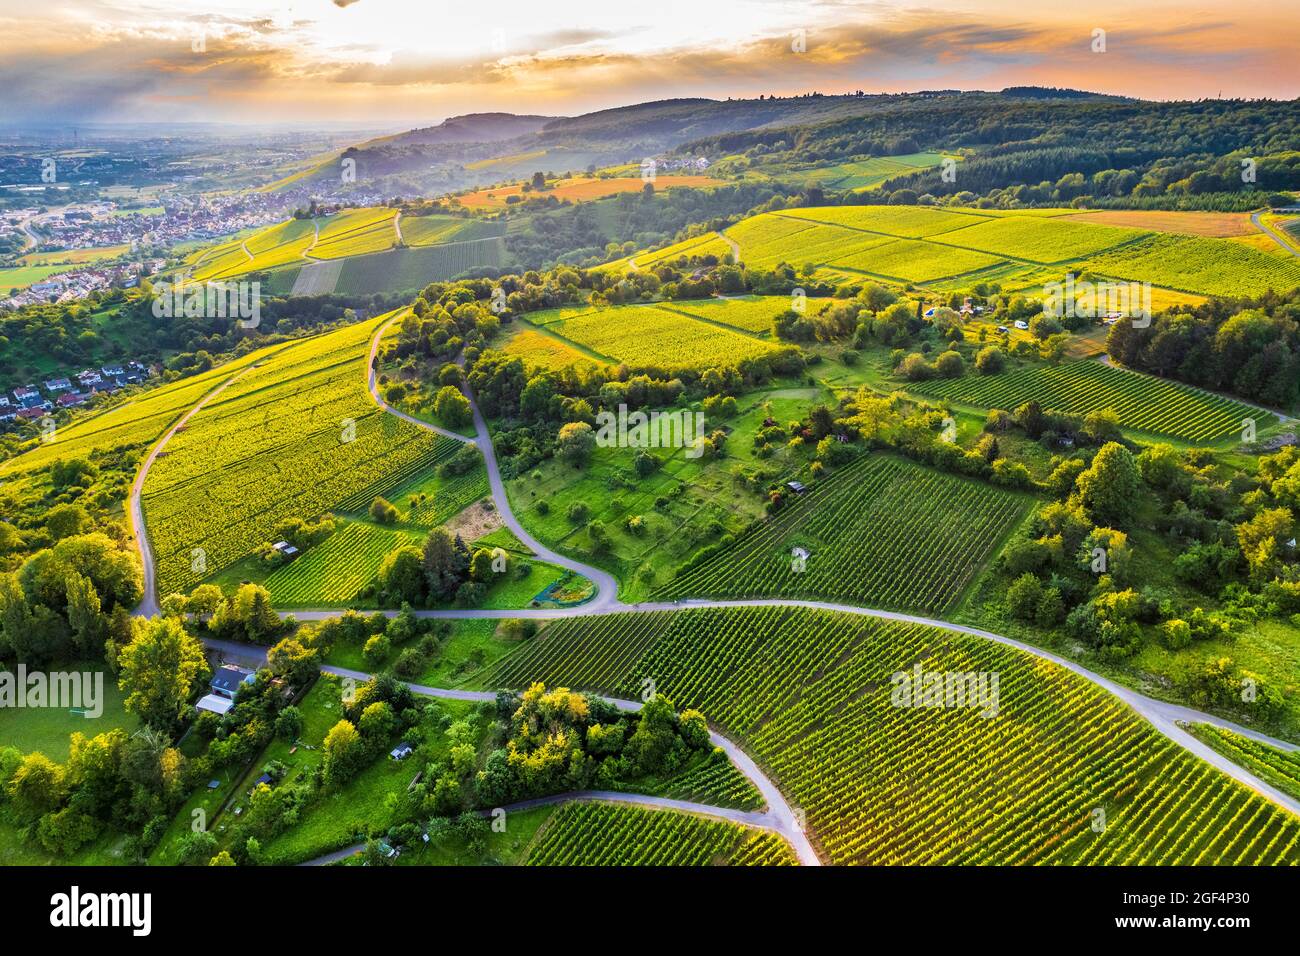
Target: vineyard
945, 243
1142, 402
1279, 768
647, 337
430, 230
903, 222
1039, 239
334, 572
1063, 772
1202, 265
716, 782
604, 834
913, 261
542, 352
709, 244
295, 437
752, 314
880, 531
416, 267
355, 232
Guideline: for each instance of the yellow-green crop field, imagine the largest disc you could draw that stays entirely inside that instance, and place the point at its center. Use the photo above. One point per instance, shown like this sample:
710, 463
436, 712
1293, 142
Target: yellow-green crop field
131, 425
1202, 265
355, 232
541, 352
1038, 239
297, 436
914, 261
650, 337
906, 222
751, 313
951, 247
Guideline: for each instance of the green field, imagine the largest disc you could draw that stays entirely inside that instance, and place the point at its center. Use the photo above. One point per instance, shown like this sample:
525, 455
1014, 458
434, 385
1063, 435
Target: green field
47, 728
20, 277
683, 505
605, 834
856, 175
880, 531
750, 313
1143, 402
1202, 265
810, 695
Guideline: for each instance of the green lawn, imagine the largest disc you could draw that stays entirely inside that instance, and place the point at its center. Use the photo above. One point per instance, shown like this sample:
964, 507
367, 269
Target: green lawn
47, 729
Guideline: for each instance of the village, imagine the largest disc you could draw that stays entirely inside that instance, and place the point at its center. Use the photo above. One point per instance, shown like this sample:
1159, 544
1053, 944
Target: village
31, 403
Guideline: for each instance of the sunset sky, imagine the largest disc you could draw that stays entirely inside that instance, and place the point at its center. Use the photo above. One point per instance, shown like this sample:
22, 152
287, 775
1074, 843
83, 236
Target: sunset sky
415, 62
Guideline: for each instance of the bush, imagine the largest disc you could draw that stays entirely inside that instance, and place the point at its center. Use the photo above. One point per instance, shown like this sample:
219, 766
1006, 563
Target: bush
383, 511
1024, 597
990, 360
949, 365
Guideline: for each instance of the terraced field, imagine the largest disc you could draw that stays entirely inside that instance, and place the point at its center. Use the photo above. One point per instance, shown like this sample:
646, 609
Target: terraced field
645, 337
416, 267
1143, 402
811, 695
296, 437
605, 834
881, 531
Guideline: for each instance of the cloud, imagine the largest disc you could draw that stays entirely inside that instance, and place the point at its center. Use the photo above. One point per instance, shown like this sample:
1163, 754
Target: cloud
262, 67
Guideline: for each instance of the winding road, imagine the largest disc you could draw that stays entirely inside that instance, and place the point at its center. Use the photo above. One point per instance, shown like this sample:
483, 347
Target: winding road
1277, 236
777, 816
1165, 717
149, 602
